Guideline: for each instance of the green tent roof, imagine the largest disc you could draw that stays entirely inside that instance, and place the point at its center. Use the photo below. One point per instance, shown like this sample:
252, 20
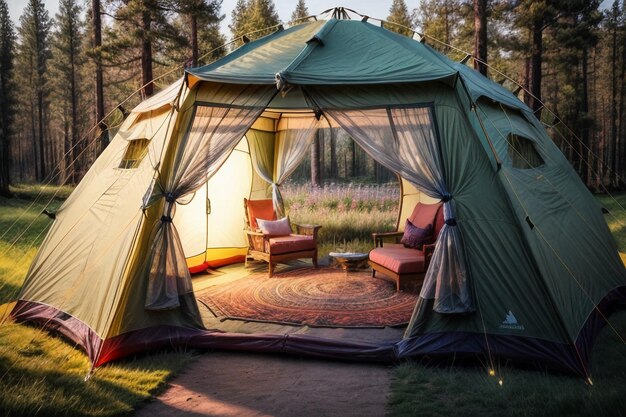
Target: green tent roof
340, 52
480, 86
329, 52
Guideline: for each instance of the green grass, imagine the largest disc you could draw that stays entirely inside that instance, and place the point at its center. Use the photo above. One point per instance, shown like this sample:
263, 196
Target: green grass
43, 375
348, 214
22, 229
616, 218
422, 390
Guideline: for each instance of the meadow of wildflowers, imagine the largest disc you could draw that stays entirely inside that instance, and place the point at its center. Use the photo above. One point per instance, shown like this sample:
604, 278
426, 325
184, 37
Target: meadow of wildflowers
348, 213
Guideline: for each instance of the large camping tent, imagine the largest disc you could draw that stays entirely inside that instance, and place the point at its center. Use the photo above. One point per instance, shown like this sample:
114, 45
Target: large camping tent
525, 267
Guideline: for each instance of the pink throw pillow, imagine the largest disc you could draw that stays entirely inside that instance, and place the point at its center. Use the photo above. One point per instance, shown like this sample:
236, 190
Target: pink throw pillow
274, 228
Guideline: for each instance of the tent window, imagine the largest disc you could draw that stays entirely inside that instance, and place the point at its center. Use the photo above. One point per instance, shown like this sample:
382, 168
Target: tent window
135, 152
523, 154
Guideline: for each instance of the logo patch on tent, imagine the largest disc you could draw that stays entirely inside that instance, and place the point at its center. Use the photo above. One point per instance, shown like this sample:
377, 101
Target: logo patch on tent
510, 322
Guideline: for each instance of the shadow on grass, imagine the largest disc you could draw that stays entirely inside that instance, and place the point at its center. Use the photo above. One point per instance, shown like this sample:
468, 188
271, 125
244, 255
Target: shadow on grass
43, 375
8, 291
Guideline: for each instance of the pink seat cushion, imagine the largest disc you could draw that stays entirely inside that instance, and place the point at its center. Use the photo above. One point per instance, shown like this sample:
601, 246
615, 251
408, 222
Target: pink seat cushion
291, 243
399, 259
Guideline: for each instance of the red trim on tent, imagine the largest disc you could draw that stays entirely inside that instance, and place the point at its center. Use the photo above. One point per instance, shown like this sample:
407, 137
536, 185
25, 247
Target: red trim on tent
198, 268
216, 263
557, 356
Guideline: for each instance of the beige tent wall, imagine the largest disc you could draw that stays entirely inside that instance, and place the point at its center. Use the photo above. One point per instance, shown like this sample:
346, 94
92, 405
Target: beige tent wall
409, 198
79, 266
191, 222
211, 230
130, 313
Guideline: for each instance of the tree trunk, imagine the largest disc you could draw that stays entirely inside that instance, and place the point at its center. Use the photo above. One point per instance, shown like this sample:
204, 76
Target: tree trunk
99, 87
74, 151
194, 41
613, 140
353, 165
35, 143
146, 56
5, 160
535, 66
322, 153
584, 108
480, 36
316, 175
40, 135
67, 141
622, 98
5, 137
333, 154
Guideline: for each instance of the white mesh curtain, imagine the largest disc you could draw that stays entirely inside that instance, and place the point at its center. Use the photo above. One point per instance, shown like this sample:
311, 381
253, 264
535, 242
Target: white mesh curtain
214, 130
276, 155
404, 140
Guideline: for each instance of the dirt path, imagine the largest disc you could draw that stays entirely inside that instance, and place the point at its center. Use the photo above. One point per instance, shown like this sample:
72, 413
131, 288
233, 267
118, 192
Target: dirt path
242, 385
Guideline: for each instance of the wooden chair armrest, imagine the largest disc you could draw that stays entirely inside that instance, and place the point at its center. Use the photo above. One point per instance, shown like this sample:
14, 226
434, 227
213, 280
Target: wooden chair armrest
307, 229
256, 240
381, 236
253, 233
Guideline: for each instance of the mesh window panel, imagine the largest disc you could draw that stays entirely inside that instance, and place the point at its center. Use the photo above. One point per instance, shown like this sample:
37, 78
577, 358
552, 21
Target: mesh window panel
523, 153
134, 154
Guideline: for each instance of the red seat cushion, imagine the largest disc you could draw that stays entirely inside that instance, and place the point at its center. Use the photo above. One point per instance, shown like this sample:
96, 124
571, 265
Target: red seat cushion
260, 209
291, 243
399, 259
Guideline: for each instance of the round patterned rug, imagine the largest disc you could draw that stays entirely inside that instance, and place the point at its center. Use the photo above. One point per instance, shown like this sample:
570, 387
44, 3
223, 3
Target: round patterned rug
315, 297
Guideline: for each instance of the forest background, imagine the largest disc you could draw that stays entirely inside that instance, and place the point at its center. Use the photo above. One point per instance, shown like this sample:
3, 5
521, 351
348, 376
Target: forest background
65, 79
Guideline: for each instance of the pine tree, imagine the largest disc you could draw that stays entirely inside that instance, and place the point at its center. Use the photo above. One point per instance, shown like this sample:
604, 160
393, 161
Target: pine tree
96, 55
253, 18
240, 20
7, 99
201, 26
399, 14
448, 21
33, 56
142, 30
480, 35
535, 17
621, 155
613, 26
263, 17
299, 13
567, 46
66, 67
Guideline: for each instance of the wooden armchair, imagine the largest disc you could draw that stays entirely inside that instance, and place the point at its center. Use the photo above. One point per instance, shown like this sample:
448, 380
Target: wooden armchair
406, 266
275, 249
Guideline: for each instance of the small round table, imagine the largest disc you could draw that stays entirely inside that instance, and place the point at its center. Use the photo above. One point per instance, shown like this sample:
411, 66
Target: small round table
350, 261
